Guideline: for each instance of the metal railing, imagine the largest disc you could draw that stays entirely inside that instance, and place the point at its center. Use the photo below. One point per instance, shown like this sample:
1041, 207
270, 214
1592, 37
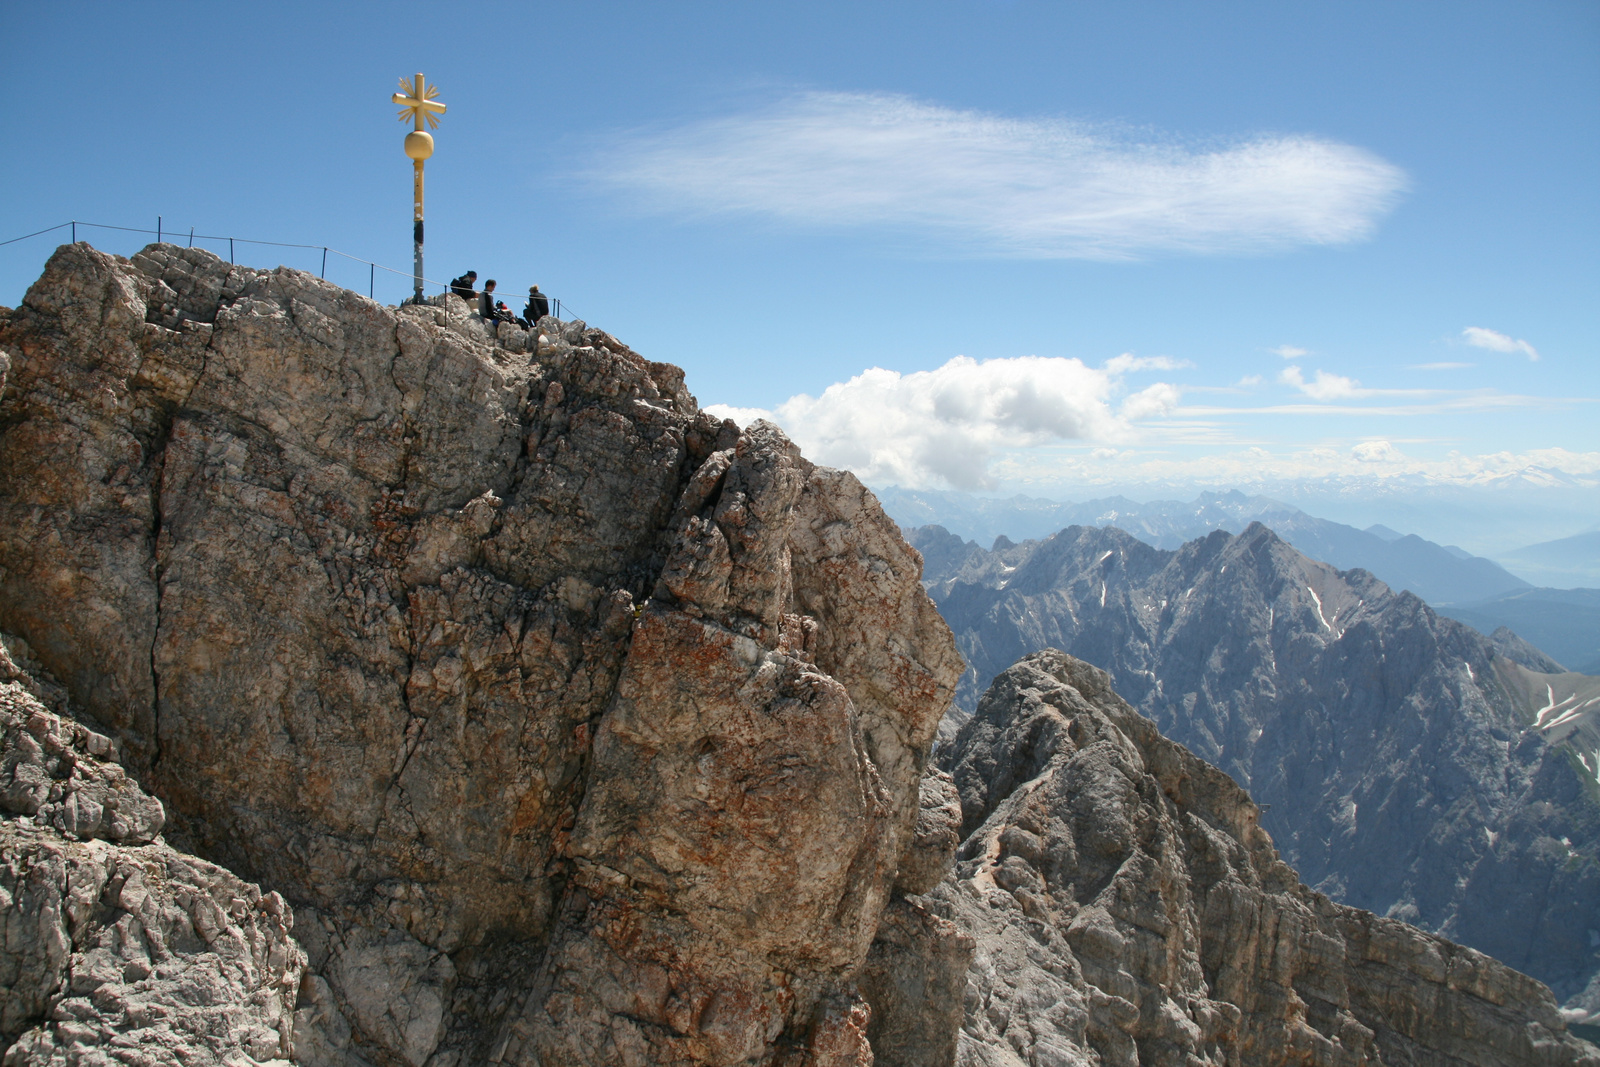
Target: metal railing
161, 234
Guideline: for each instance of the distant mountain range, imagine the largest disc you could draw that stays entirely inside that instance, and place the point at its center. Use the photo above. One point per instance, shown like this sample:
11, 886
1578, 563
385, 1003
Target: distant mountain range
1562, 622
1410, 765
1567, 562
1439, 574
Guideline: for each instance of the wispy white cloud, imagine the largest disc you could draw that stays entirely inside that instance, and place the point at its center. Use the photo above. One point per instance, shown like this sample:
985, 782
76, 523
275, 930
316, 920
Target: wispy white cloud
1323, 386
941, 427
1369, 465
1447, 403
1290, 351
1128, 362
986, 184
1247, 384
1495, 341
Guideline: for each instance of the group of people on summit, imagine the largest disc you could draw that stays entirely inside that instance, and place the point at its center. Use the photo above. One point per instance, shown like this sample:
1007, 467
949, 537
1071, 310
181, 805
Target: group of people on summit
492, 309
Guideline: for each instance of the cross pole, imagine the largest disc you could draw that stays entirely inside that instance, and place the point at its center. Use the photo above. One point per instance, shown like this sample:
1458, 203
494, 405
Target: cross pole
417, 104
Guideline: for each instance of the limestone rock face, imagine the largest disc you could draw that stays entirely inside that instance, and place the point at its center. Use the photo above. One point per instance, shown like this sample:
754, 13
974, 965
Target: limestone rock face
109, 939
62, 774
938, 832
577, 726
915, 980
1127, 908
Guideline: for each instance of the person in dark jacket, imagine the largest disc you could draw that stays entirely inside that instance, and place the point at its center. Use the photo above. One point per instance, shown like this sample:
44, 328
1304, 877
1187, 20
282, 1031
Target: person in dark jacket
463, 286
486, 301
538, 307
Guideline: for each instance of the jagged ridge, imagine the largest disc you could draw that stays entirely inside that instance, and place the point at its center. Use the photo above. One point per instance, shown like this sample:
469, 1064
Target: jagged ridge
1396, 752
1124, 907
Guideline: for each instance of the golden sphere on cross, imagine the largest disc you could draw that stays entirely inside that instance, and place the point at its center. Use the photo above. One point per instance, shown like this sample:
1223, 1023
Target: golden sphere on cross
419, 144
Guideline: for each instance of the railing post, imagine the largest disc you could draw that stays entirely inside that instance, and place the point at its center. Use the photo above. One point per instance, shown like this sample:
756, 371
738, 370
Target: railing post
74, 231
230, 250
372, 274
158, 229
191, 236
324, 262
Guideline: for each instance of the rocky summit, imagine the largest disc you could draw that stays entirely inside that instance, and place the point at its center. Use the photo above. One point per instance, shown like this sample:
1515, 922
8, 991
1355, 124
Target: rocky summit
576, 725
1405, 763
386, 687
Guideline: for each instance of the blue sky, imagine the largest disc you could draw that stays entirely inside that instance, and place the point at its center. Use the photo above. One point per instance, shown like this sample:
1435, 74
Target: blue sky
1064, 249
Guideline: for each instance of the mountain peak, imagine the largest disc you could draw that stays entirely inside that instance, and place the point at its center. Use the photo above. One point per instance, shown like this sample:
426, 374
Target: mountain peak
1338, 702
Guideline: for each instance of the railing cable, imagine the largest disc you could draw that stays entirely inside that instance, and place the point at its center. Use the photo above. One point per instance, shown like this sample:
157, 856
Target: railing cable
160, 232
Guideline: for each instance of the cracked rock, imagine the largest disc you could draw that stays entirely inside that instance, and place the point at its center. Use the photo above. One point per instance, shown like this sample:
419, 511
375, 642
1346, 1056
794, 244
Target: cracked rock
109, 938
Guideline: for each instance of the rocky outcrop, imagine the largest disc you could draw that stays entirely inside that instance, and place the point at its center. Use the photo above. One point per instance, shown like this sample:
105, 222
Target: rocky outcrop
915, 974
1127, 908
577, 726
554, 722
915, 980
115, 947
1404, 764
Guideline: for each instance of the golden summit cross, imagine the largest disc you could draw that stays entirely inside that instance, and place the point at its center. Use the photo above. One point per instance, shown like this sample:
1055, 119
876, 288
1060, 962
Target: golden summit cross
416, 100
418, 103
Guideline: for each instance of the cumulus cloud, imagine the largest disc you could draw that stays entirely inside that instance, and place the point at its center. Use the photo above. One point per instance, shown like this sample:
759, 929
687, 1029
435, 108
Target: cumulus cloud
1290, 351
982, 183
1495, 341
742, 416
941, 427
1156, 400
1376, 452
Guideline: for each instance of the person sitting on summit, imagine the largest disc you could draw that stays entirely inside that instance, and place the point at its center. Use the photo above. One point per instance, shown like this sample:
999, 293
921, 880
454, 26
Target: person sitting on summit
538, 307
463, 286
486, 301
